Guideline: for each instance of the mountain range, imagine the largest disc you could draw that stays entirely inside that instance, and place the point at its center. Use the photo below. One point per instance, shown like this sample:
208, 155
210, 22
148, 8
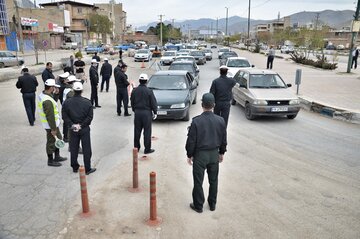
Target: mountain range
236, 24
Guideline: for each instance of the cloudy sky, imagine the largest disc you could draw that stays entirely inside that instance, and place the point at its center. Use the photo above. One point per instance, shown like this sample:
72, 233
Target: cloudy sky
142, 12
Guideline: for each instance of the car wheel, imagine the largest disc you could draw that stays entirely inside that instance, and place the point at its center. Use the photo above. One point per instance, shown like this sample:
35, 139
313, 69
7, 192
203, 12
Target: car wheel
2, 65
233, 102
187, 116
291, 116
248, 112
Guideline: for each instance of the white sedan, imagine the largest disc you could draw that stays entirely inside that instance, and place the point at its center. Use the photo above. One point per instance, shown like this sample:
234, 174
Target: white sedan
143, 55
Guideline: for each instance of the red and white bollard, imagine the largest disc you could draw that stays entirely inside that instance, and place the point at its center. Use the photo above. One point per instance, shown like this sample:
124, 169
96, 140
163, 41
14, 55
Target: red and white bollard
83, 187
135, 187
154, 220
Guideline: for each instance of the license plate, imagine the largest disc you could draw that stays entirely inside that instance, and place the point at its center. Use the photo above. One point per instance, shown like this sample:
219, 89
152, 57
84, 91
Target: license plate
161, 112
279, 109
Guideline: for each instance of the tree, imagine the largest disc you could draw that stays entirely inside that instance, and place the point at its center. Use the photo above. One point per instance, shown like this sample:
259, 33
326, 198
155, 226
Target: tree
168, 32
100, 24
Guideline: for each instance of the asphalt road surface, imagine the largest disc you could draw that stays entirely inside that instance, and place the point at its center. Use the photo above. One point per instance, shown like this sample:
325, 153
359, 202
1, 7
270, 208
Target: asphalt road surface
280, 178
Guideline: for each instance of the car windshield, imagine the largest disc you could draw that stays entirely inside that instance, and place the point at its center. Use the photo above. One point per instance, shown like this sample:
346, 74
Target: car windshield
185, 58
196, 53
142, 51
229, 54
207, 51
182, 67
167, 82
266, 81
224, 50
238, 63
168, 53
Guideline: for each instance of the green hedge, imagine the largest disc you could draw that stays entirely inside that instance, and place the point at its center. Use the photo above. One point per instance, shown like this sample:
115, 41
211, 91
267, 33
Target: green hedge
320, 62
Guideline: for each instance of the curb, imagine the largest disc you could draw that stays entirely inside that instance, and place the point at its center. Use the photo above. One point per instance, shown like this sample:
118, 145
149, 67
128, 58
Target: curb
329, 111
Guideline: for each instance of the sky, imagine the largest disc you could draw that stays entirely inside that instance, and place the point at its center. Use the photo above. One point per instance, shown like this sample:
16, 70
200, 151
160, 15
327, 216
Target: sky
142, 12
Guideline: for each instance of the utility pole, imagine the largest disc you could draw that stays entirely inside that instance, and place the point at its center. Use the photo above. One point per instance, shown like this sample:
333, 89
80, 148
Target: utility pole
217, 30
226, 24
248, 32
19, 27
172, 28
161, 33
353, 37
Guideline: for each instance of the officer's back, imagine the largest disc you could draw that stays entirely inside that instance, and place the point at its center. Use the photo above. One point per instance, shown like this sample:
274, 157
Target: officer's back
79, 109
221, 88
27, 83
142, 98
106, 69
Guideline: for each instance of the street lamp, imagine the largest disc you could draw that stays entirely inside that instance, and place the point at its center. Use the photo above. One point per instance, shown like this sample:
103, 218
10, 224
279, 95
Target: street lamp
226, 24
248, 35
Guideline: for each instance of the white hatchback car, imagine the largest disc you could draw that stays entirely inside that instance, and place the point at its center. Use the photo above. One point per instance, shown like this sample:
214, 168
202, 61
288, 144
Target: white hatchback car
168, 57
235, 64
143, 55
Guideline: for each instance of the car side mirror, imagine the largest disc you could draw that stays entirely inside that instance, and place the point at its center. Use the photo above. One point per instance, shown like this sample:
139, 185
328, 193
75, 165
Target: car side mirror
288, 85
252, 66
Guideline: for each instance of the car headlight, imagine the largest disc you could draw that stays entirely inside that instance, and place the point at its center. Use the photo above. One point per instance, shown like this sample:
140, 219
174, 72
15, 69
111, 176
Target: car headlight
178, 106
294, 102
260, 102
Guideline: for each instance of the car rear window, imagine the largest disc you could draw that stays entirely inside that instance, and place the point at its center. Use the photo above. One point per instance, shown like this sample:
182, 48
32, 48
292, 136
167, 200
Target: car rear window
238, 63
266, 81
167, 82
181, 67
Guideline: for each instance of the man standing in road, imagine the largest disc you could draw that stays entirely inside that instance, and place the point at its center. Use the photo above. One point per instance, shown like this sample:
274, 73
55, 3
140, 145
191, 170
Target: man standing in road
205, 148
50, 120
28, 83
221, 88
121, 81
355, 55
270, 58
70, 66
94, 80
97, 58
120, 53
118, 67
78, 113
47, 73
105, 72
143, 103
80, 66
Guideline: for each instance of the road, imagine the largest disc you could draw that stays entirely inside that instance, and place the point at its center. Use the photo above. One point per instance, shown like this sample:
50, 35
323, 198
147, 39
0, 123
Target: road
280, 178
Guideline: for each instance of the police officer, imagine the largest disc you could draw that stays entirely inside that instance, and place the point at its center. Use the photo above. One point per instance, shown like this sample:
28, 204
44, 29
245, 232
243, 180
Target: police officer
118, 67
221, 89
121, 81
205, 148
60, 81
94, 80
28, 83
143, 103
77, 112
47, 73
105, 72
50, 120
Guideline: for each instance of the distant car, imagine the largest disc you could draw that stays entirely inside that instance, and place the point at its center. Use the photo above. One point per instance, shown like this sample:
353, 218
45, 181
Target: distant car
184, 58
143, 55
94, 48
9, 59
208, 54
168, 57
235, 64
175, 92
125, 46
225, 56
287, 49
153, 47
213, 46
340, 47
264, 93
222, 50
199, 57
69, 45
182, 53
330, 47
189, 66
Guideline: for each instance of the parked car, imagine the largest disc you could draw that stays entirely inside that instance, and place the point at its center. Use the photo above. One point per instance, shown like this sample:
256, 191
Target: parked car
287, 49
94, 48
225, 56
340, 47
189, 66
153, 47
264, 93
9, 59
168, 57
235, 64
143, 55
208, 54
175, 92
222, 50
125, 46
69, 46
199, 57
330, 47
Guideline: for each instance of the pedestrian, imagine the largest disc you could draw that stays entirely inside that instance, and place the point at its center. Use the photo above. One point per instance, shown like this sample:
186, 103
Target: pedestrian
47, 73
79, 69
118, 66
270, 58
105, 73
50, 120
355, 55
28, 83
78, 113
60, 81
144, 104
221, 88
205, 149
122, 96
70, 66
94, 80
96, 57
120, 53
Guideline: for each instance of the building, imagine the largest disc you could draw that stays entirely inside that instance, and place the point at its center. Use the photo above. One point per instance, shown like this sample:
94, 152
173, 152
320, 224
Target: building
4, 24
271, 27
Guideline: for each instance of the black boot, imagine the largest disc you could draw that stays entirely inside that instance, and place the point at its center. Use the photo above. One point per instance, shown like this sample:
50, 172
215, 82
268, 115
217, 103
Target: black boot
58, 158
51, 161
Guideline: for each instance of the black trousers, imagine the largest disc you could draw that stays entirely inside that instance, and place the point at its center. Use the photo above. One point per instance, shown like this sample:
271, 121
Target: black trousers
222, 108
84, 136
354, 60
105, 79
205, 160
269, 63
142, 121
94, 95
29, 103
122, 96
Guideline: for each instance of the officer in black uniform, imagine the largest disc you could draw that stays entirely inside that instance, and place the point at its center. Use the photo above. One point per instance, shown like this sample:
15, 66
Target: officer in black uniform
94, 80
121, 81
28, 83
105, 72
118, 67
77, 112
143, 103
205, 148
221, 89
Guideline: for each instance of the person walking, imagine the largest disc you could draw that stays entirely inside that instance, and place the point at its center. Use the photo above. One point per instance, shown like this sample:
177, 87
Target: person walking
70, 66
94, 80
78, 113
47, 73
28, 83
205, 148
120, 53
270, 58
143, 103
221, 88
355, 55
50, 120
105, 73
122, 96
79, 69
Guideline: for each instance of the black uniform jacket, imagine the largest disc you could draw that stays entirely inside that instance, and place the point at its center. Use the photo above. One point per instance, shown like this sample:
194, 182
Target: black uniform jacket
142, 98
121, 79
27, 83
221, 88
94, 76
207, 131
77, 110
106, 69
47, 74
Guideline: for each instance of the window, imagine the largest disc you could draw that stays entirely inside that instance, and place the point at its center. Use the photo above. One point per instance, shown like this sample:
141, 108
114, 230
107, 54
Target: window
79, 10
